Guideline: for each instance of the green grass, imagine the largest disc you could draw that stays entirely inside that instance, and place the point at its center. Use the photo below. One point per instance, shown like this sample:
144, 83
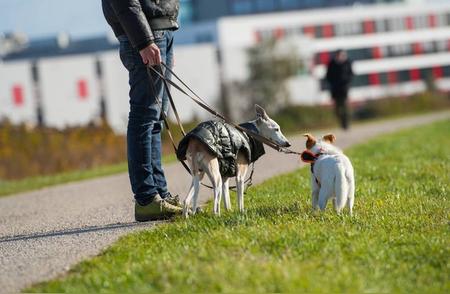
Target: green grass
33, 183
397, 241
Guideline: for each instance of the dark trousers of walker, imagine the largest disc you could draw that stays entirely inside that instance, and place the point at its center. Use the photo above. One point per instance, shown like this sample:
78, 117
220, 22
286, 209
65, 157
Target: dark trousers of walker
144, 121
339, 95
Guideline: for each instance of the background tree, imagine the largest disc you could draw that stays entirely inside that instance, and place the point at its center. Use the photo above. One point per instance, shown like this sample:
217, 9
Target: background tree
271, 64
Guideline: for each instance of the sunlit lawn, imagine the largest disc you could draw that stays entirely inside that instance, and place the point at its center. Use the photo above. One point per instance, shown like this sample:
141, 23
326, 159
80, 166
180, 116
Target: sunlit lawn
397, 241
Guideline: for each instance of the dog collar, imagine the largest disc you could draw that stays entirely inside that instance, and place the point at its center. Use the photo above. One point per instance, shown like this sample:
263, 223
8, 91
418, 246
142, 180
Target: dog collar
309, 157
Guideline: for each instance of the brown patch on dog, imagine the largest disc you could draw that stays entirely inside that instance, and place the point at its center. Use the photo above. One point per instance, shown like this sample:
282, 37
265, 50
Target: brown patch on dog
311, 141
330, 138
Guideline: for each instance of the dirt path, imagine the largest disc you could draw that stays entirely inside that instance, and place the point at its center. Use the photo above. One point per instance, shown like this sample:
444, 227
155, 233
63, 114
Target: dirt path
45, 232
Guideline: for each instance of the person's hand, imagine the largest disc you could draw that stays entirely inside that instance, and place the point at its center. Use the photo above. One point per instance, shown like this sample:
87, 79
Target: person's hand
151, 55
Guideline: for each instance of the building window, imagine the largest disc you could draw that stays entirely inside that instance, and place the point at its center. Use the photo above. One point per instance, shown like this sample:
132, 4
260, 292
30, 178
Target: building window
289, 4
265, 5
441, 21
186, 12
403, 76
396, 24
380, 25
359, 54
420, 22
203, 38
400, 50
348, 28
360, 81
392, 77
242, 6
428, 47
446, 71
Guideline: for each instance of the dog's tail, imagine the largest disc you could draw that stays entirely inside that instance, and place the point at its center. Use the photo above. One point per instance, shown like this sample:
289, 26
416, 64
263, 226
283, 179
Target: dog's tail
341, 189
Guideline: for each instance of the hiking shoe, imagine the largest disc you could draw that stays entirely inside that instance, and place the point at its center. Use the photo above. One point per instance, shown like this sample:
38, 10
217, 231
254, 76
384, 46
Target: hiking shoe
174, 200
158, 209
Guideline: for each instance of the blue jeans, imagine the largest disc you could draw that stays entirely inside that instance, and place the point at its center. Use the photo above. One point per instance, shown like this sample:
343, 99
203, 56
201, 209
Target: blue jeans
144, 121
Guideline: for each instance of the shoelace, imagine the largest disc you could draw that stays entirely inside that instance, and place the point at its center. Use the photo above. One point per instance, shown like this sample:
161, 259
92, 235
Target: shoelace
172, 198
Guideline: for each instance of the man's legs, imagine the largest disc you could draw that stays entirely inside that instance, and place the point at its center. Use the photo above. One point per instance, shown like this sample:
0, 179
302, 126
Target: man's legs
165, 43
144, 124
342, 112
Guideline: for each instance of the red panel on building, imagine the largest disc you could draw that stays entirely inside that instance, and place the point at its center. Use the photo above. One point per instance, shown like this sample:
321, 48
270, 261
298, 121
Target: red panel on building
369, 26
377, 53
374, 79
324, 57
417, 48
409, 23
309, 31
278, 33
437, 72
392, 77
327, 31
414, 74
17, 95
432, 21
83, 91
257, 35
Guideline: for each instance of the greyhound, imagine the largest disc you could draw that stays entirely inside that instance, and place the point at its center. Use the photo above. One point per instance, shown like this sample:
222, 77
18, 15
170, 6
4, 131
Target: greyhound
202, 159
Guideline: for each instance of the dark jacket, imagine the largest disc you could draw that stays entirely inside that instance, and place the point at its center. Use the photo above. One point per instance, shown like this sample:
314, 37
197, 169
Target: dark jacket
339, 76
137, 18
224, 141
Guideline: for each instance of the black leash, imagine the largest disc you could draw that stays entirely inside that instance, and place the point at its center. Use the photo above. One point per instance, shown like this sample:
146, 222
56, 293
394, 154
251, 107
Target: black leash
248, 182
202, 103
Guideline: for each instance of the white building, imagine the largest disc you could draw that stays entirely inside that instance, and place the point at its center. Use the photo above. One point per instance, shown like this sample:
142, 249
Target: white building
395, 48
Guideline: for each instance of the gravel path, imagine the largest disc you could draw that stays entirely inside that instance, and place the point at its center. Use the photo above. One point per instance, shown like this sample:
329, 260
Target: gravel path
45, 232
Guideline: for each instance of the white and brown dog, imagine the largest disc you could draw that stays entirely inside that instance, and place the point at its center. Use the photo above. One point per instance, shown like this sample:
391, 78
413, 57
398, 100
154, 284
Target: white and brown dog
332, 175
207, 147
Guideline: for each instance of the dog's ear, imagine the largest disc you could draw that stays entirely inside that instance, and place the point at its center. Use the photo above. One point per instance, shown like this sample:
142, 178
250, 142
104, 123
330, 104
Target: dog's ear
330, 138
311, 141
260, 112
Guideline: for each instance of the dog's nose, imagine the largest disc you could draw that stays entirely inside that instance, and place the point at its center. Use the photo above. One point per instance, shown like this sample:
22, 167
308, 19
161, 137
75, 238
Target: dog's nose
287, 144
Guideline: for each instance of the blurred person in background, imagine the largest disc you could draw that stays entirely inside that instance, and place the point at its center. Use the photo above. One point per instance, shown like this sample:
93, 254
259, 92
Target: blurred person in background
144, 29
339, 76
